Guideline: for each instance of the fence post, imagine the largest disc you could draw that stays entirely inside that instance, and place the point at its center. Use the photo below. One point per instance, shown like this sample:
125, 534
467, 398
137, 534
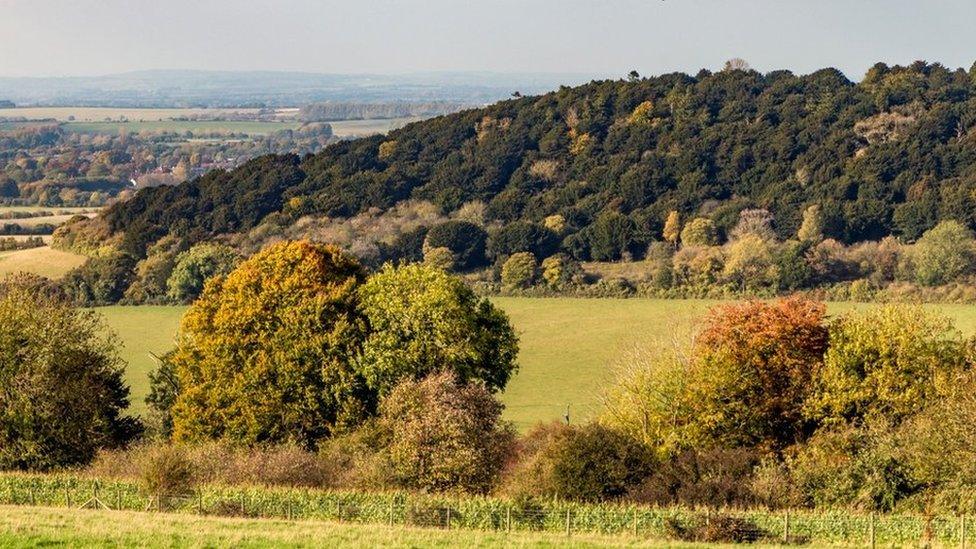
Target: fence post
30, 492
67, 497
962, 531
786, 527
508, 519
448, 517
871, 531
569, 524
635, 522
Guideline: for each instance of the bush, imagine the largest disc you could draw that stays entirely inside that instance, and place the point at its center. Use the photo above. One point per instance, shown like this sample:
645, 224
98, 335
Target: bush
165, 471
444, 435
559, 270
102, 280
63, 394
464, 239
439, 258
519, 271
586, 463
701, 477
265, 354
943, 254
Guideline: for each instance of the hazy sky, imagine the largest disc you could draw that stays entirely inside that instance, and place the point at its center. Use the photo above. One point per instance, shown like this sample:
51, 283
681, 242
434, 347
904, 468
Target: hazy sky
602, 37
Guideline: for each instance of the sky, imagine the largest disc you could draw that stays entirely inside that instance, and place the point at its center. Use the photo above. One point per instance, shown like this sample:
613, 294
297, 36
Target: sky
598, 37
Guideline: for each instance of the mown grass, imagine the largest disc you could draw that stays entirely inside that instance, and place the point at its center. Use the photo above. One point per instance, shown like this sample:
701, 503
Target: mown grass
568, 346
44, 526
44, 261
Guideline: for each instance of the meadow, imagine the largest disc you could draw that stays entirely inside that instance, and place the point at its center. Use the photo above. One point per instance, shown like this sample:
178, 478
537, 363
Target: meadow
568, 346
99, 114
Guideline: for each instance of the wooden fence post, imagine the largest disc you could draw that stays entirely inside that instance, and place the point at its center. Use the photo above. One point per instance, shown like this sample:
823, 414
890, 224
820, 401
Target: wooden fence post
448, 518
635, 522
508, 519
786, 527
871, 531
962, 531
569, 524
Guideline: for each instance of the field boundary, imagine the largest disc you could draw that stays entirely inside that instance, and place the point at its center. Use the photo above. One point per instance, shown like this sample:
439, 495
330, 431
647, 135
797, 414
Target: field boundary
496, 515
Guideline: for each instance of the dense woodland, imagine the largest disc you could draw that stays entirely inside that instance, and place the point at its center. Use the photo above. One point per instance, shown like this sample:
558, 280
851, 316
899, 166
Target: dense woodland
614, 170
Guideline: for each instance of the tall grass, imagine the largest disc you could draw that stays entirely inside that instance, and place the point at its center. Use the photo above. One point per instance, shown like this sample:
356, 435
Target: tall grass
477, 513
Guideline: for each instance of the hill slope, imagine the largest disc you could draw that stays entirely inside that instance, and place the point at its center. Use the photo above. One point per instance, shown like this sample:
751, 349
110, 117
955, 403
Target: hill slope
892, 154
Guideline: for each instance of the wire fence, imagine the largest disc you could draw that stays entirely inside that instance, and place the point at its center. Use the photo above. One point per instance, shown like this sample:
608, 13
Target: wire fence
486, 514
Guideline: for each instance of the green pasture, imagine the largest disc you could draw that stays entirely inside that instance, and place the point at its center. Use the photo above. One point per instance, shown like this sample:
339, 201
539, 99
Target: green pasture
568, 346
181, 126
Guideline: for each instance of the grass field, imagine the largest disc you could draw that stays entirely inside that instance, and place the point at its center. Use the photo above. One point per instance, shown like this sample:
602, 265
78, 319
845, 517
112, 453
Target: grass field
99, 114
51, 219
180, 126
568, 346
53, 209
44, 261
45, 527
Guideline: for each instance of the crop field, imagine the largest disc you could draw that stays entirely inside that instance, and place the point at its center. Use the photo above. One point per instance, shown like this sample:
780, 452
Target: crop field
568, 346
99, 114
44, 261
181, 126
361, 128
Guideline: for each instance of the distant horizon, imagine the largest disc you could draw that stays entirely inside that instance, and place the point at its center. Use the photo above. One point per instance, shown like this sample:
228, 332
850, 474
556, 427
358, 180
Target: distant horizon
386, 37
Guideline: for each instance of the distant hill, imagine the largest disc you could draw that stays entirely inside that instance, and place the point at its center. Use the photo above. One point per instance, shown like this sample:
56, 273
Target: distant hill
892, 154
185, 88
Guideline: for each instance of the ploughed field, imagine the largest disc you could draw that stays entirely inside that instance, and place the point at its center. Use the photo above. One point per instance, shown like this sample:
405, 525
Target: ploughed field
568, 346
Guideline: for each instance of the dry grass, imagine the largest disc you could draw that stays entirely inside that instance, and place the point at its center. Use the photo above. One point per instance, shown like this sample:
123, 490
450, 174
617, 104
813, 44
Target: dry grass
44, 261
44, 526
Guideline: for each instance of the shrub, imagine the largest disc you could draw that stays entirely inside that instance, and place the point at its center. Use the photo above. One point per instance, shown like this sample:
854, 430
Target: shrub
587, 463
102, 280
559, 270
265, 354
749, 262
701, 477
612, 236
444, 435
165, 471
943, 254
423, 320
464, 239
63, 394
519, 271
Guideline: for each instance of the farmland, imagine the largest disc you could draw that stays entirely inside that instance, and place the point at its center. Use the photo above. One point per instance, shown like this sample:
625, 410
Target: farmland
44, 261
568, 346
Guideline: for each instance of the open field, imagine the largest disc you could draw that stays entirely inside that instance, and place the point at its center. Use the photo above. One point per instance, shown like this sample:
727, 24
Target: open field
48, 219
99, 114
45, 526
360, 128
44, 261
568, 346
180, 126
52, 209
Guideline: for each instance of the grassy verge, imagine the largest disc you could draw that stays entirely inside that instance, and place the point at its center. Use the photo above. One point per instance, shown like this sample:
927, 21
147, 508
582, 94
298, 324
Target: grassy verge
41, 526
491, 515
44, 261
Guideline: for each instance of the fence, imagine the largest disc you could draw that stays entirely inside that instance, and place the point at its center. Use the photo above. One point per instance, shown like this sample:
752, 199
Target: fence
488, 514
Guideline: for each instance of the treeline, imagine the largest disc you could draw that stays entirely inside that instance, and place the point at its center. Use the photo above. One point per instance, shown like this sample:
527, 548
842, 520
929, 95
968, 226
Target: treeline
888, 156
338, 110
389, 380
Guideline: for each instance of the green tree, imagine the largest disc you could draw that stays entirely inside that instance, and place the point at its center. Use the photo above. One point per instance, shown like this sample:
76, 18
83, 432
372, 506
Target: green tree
464, 239
559, 270
672, 228
62, 392
265, 353
812, 227
611, 236
519, 271
423, 320
885, 364
699, 232
944, 253
749, 262
444, 435
439, 258
194, 266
